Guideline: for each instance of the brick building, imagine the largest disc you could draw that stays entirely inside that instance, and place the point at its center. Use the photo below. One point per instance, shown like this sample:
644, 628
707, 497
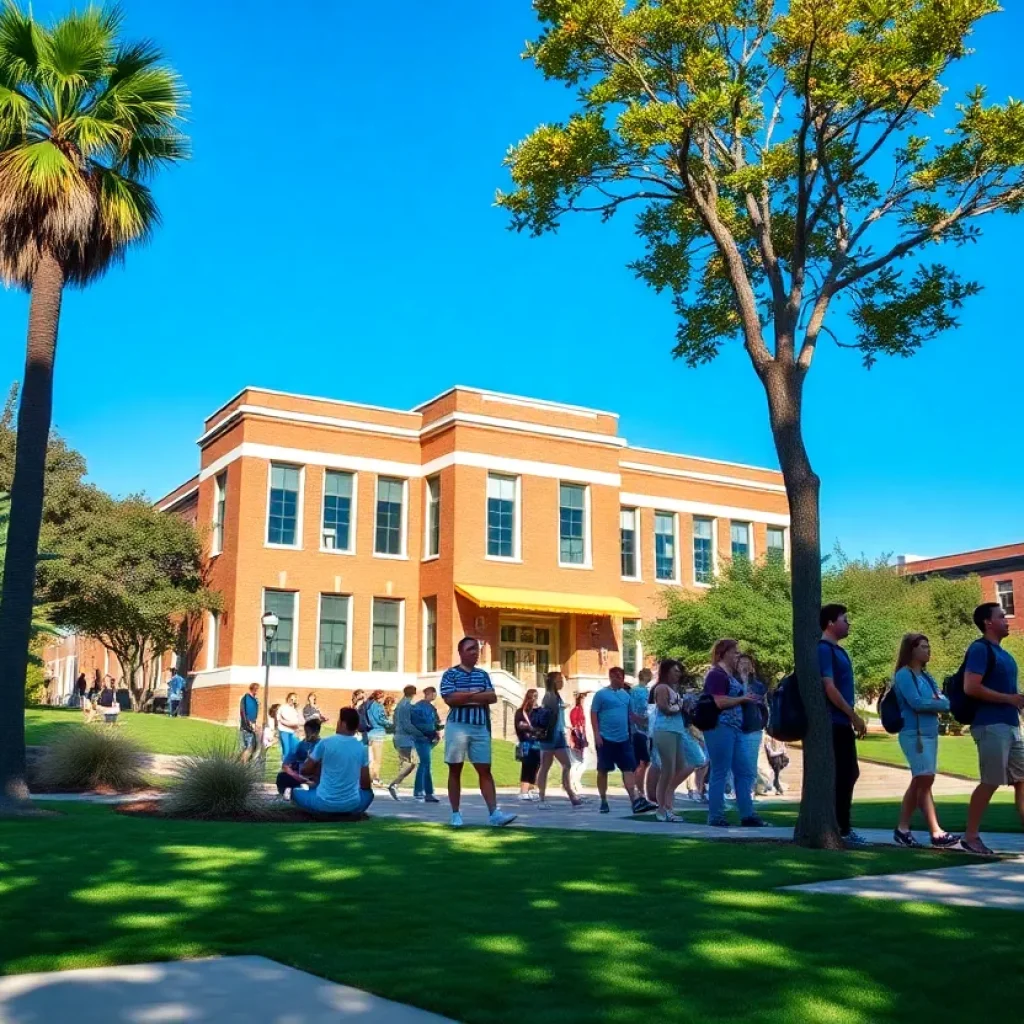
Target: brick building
381, 537
1001, 571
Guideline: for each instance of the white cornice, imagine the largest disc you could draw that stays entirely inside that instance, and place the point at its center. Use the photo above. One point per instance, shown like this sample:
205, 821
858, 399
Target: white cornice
713, 478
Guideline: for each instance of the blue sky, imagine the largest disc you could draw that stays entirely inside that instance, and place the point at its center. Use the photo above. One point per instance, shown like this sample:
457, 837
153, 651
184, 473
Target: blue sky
334, 234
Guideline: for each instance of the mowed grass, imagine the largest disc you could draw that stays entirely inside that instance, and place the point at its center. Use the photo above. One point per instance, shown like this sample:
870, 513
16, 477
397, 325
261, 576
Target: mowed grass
486, 926
958, 755
1001, 816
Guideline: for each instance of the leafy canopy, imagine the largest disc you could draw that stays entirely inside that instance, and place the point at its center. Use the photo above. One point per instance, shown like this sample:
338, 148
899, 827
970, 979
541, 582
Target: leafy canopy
777, 159
85, 120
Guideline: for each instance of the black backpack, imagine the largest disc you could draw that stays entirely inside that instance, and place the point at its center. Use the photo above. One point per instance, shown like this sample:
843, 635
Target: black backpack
787, 716
705, 712
889, 710
962, 707
542, 721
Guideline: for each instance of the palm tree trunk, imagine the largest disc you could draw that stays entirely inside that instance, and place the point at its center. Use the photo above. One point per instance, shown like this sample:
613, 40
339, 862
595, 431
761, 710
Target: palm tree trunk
816, 824
34, 414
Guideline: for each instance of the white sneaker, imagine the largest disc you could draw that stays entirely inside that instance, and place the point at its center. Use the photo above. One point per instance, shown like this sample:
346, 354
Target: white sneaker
525, 798
456, 821
543, 805
499, 818
420, 799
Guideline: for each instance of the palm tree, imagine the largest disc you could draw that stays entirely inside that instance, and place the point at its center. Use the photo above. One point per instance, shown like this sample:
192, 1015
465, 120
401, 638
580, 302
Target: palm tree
85, 120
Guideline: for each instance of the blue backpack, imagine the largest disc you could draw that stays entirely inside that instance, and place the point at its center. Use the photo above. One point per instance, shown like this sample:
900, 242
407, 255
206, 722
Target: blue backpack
422, 716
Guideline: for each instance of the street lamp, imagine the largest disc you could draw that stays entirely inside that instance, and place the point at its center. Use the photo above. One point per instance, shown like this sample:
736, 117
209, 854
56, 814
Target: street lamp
269, 621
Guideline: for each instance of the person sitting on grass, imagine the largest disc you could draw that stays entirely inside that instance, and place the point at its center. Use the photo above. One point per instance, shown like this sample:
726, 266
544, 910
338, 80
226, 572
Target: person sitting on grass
290, 776
339, 766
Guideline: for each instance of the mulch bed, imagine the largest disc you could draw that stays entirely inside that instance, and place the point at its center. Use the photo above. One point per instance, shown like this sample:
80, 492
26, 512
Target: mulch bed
270, 814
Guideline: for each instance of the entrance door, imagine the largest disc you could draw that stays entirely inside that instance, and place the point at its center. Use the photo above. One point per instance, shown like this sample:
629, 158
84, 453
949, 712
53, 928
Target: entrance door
526, 652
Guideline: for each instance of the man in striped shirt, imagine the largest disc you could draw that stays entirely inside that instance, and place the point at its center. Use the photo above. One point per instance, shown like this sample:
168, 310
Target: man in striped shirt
468, 692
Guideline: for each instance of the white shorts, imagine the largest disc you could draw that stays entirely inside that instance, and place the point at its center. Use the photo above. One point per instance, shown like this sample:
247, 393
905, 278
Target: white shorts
467, 743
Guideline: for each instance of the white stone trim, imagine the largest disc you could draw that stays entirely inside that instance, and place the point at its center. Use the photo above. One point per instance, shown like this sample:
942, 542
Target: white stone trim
700, 508
530, 403
473, 419
700, 458
305, 417
178, 500
310, 678
714, 478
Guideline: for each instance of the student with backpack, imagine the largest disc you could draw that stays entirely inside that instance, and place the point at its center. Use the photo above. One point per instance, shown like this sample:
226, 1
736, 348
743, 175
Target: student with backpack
992, 708
920, 704
426, 725
550, 731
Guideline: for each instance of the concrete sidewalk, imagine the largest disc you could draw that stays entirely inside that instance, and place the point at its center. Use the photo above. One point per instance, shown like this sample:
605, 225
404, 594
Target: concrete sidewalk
221, 990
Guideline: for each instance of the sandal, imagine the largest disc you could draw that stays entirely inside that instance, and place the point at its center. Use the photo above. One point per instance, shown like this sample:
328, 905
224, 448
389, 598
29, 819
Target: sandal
976, 846
946, 841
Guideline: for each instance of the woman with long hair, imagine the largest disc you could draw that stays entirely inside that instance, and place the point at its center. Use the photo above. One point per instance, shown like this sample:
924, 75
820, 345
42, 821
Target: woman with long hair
678, 753
552, 743
754, 715
725, 740
529, 752
920, 702
377, 720
312, 709
289, 722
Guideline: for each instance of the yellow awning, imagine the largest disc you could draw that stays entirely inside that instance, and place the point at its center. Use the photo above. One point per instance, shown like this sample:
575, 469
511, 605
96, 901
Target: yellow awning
545, 601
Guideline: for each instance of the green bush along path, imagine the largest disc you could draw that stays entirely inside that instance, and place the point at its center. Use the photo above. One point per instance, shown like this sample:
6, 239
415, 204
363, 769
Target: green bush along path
487, 926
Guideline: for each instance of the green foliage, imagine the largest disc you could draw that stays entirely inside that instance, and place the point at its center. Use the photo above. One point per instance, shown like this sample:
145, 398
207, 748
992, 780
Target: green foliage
85, 121
217, 783
92, 757
778, 159
754, 605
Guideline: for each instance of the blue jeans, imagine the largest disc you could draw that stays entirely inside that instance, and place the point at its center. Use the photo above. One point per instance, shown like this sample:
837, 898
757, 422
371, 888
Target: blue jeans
173, 703
289, 741
308, 800
729, 752
424, 782
752, 750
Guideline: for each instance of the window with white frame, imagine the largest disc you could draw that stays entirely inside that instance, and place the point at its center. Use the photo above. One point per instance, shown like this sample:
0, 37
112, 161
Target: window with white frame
430, 634
502, 526
390, 498
572, 524
703, 550
336, 527
283, 514
631, 646
334, 623
387, 627
628, 534
220, 500
664, 546
213, 640
776, 543
433, 545
282, 604
740, 538
1004, 595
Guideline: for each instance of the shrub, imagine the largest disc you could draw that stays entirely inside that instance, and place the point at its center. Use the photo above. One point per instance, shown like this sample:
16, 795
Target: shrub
91, 757
217, 783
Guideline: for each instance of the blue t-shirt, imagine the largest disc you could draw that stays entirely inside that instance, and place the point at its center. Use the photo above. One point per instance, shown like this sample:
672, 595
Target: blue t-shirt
249, 709
1002, 679
612, 710
299, 754
638, 701
175, 687
833, 661
341, 760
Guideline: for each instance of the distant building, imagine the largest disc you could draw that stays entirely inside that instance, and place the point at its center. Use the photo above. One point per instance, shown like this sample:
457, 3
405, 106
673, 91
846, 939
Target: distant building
1001, 571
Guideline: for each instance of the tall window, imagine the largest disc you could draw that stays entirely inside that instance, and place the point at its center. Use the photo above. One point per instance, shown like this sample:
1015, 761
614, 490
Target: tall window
664, 546
433, 516
627, 542
282, 604
389, 516
387, 617
283, 521
501, 516
333, 651
740, 533
776, 543
213, 640
703, 557
430, 634
1004, 595
220, 500
630, 646
337, 518
572, 526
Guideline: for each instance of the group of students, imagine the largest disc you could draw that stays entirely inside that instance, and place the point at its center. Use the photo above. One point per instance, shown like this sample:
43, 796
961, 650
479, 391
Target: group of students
104, 697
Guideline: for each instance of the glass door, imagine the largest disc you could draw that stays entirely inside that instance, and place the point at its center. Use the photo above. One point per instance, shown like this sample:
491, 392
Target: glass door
526, 651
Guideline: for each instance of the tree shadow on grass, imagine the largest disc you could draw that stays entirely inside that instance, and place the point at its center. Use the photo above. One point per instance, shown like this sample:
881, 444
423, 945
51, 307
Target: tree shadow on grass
482, 925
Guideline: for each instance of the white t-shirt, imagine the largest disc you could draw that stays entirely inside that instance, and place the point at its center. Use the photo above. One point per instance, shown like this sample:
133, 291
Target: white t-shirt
341, 760
289, 719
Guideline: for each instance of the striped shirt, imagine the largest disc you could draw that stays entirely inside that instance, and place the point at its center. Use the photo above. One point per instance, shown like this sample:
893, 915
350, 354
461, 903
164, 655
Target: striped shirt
458, 680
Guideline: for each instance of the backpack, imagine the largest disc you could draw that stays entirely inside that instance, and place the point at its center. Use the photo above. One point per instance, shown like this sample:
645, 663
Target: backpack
542, 720
962, 707
422, 716
364, 717
787, 716
705, 712
889, 710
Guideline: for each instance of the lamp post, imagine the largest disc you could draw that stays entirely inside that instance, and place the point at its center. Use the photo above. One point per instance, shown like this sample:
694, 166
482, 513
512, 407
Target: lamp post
269, 622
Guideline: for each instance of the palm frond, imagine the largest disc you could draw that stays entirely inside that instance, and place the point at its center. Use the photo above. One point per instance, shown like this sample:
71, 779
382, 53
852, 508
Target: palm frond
78, 49
19, 40
127, 208
149, 150
98, 137
39, 170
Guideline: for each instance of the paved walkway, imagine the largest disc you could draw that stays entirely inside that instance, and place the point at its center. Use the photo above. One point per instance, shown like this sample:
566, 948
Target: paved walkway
221, 990
996, 886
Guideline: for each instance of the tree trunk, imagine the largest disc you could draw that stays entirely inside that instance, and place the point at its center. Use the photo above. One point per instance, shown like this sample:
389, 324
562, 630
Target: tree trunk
816, 824
19, 583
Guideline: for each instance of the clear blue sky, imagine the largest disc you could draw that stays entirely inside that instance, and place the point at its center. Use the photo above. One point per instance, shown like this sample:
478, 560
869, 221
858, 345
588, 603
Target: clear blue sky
334, 234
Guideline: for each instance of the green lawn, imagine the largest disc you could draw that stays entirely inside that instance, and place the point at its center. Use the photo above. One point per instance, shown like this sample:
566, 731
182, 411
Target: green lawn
957, 754
1001, 816
484, 926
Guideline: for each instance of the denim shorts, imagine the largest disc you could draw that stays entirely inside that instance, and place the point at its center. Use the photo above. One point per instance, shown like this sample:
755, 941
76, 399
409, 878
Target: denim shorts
641, 747
612, 755
467, 743
557, 742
